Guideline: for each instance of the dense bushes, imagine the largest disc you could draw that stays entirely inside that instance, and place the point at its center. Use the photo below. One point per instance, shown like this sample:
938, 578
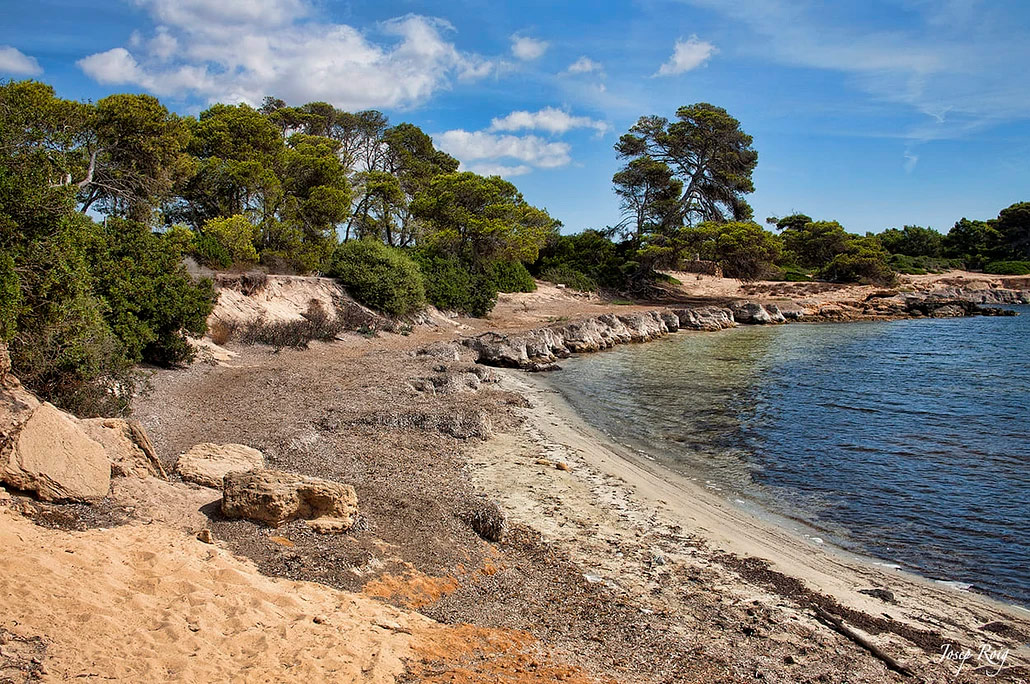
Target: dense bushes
1008, 268
452, 286
383, 278
569, 277
864, 262
511, 276
10, 297
586, 261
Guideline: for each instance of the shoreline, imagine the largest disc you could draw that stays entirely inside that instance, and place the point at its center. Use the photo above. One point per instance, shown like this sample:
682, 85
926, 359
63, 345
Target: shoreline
652, 496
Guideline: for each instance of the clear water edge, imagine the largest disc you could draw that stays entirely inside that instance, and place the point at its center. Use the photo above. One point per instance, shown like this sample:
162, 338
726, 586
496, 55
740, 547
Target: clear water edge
723, 409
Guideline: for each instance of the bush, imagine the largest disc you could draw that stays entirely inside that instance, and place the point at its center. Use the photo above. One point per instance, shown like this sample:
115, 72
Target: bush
315, 324
210, 252
10, 297
511, 276
592, 256
858, 267
922, 265
792, 274
383, 278
1008, 268
235, 238
152, 303
569, 277
452, 286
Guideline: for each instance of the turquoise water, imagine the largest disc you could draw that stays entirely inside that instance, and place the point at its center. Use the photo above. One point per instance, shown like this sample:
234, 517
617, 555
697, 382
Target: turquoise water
903, 440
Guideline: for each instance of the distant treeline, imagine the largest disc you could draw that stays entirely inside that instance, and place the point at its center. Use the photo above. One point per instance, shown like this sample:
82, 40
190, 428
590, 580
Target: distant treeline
101, 203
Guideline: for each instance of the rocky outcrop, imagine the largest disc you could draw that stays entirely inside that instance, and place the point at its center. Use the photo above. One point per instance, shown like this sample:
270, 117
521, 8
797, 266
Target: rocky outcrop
985, 294
128, 447
275, 497
708, 318
752, 313
45, 451
207, 464
5, 362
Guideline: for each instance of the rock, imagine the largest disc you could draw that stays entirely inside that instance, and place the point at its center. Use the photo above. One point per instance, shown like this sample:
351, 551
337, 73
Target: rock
775, 315
127, 445
882, 594
205, 536
710, 318
207, 464
440, 350
543, 367
671, 320
48, 453
275, 497
750, 313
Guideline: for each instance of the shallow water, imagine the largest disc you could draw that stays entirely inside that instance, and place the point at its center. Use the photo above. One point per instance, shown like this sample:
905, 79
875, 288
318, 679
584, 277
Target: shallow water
904, 440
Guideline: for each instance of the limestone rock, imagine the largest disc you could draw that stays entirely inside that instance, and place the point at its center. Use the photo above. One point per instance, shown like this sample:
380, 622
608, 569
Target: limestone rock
275, 497
710, 318
51, 455
127, 445
5, 362
750, 313
207, 464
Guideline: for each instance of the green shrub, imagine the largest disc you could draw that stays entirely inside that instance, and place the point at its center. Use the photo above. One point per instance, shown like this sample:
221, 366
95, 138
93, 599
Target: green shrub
593, 256
921, 265
569, 277
511, 276
235, 236
383, 278
1008, 268
792, 274
858, 267
210, 252
152, 303
452, 286
10, 297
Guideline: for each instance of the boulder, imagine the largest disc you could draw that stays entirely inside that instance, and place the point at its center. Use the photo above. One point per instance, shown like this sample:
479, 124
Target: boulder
710, 318
750, 313
5, 362
274, 497
207, 464
127, 445
50, 454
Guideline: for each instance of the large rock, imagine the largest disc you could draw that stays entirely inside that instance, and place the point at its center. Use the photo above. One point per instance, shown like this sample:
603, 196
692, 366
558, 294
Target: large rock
275, 497
127, 445
207, 464
709, 318
50, 454
5, 362
750, 313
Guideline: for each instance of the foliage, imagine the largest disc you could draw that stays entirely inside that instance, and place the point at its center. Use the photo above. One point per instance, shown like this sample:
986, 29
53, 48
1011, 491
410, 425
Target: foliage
569, 277
152, 304
921, 265
511, 276
1008, 268
791, 274
233, 238
10, 297
1013, 228
315, 324
913, 241
704, 149
813, 244
863, 261
742, 248
649, 196
480, 219
452, 286
383, 278
591, 254
972, 241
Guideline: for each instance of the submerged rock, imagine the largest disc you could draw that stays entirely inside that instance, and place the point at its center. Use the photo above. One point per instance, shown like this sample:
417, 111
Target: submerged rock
275, 497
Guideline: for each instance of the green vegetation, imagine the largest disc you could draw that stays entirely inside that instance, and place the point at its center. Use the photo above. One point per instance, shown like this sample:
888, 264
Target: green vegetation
1008, 267
381, 277
511, 276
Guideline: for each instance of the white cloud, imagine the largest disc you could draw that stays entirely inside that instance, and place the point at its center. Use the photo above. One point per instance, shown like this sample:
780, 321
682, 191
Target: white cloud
528, 49
499, 170
548, 119
911, 159
688, 54
16, 63
476, 146
243, 50
585, 65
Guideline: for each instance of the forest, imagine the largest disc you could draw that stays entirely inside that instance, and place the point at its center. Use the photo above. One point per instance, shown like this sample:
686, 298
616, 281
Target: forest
103, 203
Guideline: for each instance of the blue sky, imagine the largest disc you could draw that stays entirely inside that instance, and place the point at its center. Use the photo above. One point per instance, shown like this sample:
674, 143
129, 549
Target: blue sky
874, 113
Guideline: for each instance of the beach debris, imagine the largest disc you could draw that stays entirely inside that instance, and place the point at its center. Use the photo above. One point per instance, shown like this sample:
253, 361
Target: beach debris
275, 497
486, 519
882, 594
838, 626
207, 464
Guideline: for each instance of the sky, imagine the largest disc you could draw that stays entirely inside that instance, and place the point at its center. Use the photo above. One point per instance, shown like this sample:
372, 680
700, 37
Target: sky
874, 113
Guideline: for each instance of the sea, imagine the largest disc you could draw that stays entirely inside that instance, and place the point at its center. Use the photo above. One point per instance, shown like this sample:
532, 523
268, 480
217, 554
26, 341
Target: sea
906, 441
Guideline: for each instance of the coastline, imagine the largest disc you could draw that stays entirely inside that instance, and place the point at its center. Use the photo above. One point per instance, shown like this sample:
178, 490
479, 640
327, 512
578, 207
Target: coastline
610, 496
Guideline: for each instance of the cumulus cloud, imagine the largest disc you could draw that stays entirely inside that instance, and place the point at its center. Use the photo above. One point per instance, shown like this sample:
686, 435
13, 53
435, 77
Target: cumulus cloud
485, 147
243, 50
527, 49
499, 170
16, 63
547, 119
585, 65
688, 54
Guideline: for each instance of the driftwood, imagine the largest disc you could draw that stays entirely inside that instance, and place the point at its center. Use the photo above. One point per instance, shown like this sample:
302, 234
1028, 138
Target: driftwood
838, 625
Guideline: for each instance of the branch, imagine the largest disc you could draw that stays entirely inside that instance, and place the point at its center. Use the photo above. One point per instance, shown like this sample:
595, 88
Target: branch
838, 625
